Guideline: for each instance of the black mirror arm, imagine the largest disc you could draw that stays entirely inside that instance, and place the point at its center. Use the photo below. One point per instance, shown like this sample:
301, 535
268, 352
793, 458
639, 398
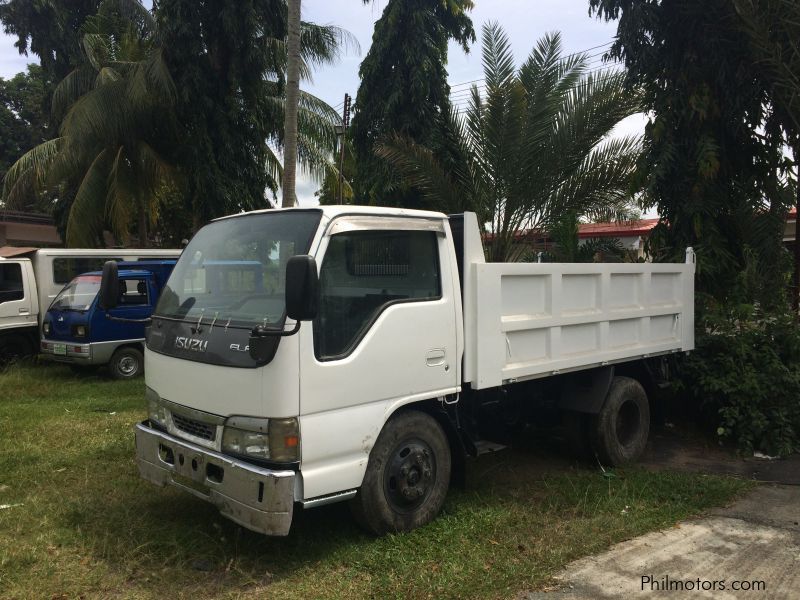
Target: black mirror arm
124, 320
262, 332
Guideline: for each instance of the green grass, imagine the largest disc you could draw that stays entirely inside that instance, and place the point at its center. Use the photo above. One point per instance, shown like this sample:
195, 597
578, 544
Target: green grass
89, 527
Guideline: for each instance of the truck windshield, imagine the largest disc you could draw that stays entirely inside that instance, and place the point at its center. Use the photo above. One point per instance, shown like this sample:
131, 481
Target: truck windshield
233, 270
78, 294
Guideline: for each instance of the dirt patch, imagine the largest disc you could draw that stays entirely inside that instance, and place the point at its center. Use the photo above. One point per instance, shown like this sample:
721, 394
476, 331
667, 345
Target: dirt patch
682, 449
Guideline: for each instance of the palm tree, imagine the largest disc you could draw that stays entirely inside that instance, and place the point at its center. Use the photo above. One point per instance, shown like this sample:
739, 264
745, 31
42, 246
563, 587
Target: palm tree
292, 90
114, 111
120, 139
533, 149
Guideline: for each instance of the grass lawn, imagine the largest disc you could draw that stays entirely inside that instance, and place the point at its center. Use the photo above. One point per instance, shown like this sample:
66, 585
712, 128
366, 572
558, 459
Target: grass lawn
82, 524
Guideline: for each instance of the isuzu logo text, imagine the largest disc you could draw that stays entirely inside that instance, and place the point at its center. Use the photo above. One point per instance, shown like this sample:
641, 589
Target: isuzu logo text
193, 344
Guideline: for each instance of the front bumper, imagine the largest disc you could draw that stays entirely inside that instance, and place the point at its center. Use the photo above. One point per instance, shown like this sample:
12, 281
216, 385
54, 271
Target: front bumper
79, 354
254, 497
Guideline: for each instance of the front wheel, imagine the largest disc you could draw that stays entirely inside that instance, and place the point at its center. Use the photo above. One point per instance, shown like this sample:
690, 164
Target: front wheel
126, 363
407, 476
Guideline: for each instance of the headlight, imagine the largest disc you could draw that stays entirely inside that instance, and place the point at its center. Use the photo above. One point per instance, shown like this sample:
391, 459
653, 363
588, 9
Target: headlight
46, 327
155, 411
79, 331
265, 439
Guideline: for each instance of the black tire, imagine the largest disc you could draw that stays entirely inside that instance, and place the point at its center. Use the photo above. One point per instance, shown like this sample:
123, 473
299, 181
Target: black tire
126, 363
13, 347
622, 427
407, 476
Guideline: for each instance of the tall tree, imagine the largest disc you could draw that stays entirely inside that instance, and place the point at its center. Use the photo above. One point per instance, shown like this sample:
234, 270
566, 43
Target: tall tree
293, 59
534, 149
713, 146
404, 87
229, 65
773, 27
49, 29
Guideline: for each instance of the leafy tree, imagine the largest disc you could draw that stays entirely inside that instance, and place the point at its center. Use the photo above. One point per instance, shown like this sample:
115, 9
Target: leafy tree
713, 159
773, 28
23, 117
534, 149
404, 87
49, 29
229, 62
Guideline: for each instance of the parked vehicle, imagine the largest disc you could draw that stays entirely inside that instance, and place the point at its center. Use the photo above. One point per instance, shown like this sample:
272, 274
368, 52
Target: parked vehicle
29, 284
377, 351
77, 331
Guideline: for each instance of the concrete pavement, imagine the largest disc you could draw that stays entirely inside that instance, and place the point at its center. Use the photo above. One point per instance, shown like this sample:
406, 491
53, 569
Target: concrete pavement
753, 545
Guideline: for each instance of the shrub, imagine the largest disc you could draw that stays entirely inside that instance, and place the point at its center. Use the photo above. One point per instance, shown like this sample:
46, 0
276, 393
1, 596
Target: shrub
745, 375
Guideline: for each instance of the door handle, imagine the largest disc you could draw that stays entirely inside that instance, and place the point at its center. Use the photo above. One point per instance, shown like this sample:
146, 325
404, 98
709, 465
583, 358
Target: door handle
24, 311
435, 357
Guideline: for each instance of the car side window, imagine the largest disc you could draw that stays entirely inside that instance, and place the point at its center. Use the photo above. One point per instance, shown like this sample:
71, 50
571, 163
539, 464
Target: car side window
11, 283
133, 292
363, 273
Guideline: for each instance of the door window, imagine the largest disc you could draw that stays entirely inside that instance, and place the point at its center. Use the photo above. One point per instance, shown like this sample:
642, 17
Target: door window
133, 292
363, 273
11, 283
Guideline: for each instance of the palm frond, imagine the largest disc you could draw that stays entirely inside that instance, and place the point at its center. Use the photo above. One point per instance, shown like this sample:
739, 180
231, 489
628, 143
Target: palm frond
85, 223
30, 169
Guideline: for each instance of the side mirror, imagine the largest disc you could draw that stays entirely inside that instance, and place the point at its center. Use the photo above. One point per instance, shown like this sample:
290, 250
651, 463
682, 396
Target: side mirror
302, 288
109, 286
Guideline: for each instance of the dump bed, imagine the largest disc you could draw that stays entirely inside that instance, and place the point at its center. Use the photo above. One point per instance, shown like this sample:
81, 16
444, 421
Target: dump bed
529, 320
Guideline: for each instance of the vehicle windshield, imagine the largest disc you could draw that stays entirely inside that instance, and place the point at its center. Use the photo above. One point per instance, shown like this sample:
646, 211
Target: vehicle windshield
78, 294
233, 270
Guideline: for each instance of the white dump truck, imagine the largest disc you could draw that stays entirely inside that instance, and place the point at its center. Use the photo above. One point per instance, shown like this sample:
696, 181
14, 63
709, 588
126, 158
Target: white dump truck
30, 279
374, 349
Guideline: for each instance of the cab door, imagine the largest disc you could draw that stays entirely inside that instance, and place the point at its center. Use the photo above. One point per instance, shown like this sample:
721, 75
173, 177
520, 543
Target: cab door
385, 335
16, 299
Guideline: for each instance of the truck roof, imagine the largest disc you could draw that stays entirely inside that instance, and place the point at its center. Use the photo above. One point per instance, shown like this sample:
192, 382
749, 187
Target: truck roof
349, 209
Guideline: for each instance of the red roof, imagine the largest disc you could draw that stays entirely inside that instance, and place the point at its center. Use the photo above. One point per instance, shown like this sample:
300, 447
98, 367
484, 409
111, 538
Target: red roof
621, 229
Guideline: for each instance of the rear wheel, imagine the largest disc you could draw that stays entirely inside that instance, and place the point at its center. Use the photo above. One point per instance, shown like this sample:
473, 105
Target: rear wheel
407, 476
623, 424
126, 363
14, 347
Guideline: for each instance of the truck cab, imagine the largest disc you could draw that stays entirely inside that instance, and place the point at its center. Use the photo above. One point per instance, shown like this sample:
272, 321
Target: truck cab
19, 309
78, 331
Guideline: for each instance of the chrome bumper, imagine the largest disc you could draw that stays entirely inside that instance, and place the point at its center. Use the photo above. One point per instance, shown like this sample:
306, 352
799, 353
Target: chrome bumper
254, 497
80, 354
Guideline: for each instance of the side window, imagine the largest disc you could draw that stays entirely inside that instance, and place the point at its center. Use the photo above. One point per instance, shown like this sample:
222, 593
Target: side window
362, 273
11, 283
66, 269
133, 291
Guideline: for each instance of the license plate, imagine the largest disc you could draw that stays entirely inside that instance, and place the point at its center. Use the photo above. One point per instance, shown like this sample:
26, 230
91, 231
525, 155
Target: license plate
60, 349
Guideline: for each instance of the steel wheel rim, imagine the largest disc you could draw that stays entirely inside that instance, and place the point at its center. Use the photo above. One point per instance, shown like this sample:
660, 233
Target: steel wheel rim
127, 365
410, 475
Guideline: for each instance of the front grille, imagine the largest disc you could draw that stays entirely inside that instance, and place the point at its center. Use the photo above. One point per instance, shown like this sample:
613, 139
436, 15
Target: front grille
195, 428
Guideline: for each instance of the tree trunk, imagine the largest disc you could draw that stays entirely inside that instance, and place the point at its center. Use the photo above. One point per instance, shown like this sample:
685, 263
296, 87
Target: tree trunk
292, 98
